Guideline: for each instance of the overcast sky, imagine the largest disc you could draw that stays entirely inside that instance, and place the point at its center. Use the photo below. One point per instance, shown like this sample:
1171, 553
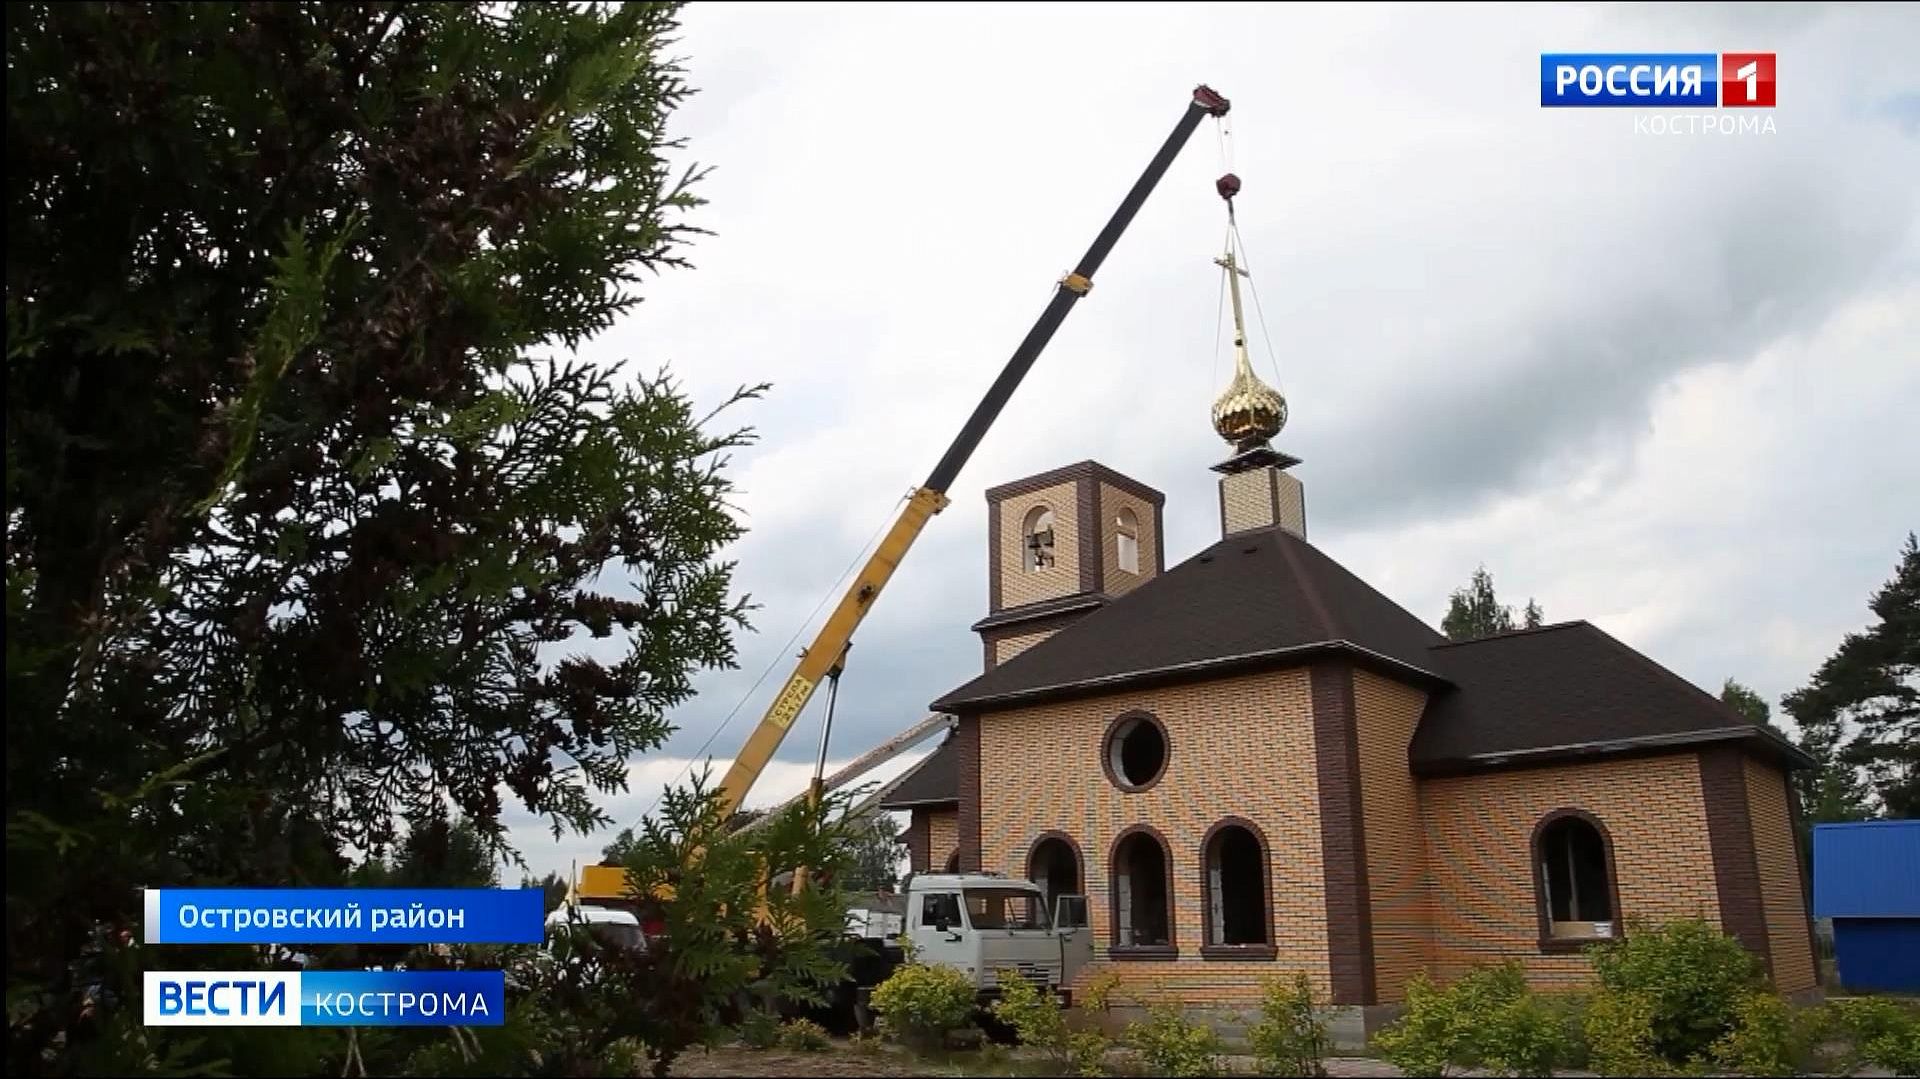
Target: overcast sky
1665, 383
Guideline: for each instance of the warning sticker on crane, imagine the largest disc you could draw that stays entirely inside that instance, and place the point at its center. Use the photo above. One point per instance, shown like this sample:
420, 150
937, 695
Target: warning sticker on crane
791, 700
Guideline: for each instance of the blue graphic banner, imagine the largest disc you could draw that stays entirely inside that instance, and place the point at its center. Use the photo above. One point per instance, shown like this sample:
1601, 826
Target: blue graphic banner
1629, 80
412, 998
344, 916
324, 998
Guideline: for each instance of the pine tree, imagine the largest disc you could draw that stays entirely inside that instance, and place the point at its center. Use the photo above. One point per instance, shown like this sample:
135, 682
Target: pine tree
1474, 611
1860, 713
1746, 702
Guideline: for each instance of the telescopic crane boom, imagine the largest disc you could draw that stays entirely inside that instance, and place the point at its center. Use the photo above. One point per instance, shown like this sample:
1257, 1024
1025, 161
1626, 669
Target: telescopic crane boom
823, 655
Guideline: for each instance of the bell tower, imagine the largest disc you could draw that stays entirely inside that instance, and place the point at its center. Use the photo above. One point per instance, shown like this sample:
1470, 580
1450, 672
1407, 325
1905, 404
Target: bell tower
1256, 491
1060, 545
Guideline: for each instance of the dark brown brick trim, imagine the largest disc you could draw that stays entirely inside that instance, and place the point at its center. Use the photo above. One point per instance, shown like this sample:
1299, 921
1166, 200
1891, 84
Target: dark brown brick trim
1548, 942
1089, 469
919, 841
1208, 949
1087, 506
966, 747
1736, 868
1115, 949
994, 598
1343, 847
1079, 860
1160, 537
1106, 752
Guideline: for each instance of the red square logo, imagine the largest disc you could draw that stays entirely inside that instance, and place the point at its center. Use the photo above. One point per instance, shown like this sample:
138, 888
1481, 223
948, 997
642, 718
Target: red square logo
1746, 80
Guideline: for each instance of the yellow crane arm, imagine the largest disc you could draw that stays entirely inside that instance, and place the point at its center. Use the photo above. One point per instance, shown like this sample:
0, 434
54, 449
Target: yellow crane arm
827, 646
930, 497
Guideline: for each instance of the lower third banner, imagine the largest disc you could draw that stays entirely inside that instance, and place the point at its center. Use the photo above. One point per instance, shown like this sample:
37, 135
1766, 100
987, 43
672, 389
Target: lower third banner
325, 998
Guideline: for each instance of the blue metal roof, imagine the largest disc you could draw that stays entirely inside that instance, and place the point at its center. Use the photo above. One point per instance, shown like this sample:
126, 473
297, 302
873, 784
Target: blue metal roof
1867, 870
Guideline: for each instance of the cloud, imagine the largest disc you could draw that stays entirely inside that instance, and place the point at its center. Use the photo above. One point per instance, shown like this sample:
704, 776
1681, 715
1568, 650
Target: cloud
1654, 381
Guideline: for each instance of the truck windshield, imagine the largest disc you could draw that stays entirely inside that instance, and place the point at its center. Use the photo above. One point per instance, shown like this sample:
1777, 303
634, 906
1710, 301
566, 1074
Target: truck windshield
1005, 908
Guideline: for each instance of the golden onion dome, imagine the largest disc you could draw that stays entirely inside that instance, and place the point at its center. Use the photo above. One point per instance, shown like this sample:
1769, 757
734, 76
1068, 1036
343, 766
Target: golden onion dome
1250, 412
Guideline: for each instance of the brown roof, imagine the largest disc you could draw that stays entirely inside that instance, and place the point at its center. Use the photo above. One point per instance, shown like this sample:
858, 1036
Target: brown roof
1269, 598
1565, 692
1245, 601
934, 781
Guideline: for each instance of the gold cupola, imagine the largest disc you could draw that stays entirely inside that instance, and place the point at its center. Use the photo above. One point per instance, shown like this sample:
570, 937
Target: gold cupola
1250, 412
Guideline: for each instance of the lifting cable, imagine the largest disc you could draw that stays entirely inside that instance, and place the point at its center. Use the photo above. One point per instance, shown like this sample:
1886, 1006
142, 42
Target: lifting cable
779, 657
1228, 185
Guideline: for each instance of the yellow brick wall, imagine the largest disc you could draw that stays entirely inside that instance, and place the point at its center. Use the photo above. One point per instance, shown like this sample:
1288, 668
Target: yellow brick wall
1478, 854
1239, 747
943, 838
1019, 585
1780, 888
1293, 503
1385, 715
1248, 500
1112, 501
1007, 648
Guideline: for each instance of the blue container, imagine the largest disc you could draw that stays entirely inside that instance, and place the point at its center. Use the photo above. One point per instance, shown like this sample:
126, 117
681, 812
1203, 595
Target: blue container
1866, 877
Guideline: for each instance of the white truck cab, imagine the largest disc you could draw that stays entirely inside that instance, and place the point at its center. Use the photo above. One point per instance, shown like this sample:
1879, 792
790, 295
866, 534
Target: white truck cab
981, 924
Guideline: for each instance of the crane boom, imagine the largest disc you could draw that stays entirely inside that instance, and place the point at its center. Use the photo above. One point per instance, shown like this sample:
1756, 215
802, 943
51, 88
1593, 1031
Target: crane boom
931, 497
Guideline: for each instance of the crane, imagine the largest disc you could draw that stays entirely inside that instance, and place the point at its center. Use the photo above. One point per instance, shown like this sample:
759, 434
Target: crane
823, 657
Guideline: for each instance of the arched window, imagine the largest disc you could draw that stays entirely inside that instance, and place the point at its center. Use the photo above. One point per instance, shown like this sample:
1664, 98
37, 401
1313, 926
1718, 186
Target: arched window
1575, 888
1126, 538
1036, 538
1238, 890
1054, 864
1142, 896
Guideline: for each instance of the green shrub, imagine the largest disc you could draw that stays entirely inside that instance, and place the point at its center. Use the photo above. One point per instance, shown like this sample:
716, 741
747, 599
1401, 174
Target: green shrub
1523, 1036
1765, 1039
759, 1029
1169, 1044
1619, 1030
1488, 1019
1039, 1021
1882, 1032
803, 1035
1692, 975
921, 1004
1289, 1038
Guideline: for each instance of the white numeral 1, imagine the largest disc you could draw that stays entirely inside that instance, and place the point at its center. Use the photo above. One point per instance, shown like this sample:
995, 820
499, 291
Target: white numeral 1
1750, 71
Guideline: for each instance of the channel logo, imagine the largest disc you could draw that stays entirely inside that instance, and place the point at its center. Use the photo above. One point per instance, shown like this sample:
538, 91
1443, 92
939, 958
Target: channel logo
323, 998
1634, 80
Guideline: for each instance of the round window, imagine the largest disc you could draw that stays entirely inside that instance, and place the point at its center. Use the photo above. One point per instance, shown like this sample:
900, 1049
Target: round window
1136, 751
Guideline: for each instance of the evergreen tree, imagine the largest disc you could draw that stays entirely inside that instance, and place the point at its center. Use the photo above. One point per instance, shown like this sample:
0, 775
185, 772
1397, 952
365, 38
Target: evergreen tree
1475, 611
874, 858
299, 505
1861, 709
1746, 702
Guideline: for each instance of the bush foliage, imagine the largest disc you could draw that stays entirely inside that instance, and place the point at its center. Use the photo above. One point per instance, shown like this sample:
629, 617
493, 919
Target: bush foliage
1689, 978
1041, 1023
1488, 1019
921, 1004
1168, 1043
1289, 1038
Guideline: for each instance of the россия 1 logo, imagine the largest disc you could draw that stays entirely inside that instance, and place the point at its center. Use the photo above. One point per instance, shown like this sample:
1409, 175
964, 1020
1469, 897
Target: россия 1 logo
1657, 80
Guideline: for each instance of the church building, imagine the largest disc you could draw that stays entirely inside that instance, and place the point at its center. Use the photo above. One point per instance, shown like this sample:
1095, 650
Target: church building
1253, 763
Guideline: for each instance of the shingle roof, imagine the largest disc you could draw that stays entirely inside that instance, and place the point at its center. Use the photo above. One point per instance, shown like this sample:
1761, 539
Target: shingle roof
1566, 691
1243, 600
932, 781
1268, 597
